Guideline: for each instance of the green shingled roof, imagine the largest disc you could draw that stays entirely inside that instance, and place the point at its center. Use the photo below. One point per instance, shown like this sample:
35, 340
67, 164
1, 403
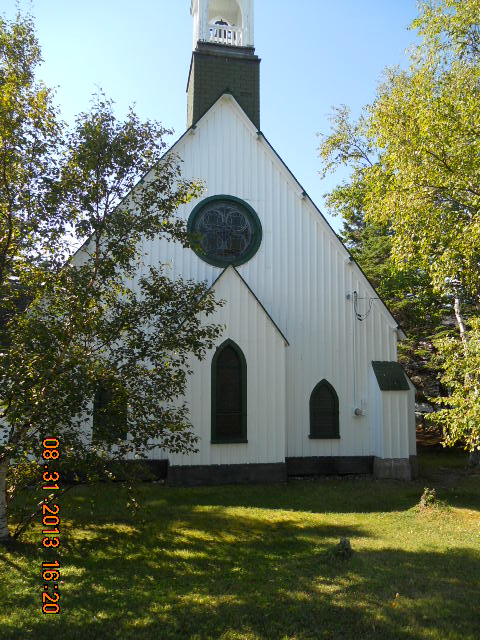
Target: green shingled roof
390, 376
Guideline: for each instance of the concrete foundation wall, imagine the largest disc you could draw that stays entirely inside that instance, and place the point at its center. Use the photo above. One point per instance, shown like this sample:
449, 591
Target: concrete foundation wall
226, 474
392, 469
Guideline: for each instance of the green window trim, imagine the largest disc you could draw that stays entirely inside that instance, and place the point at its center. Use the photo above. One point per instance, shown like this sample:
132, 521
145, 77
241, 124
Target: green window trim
334, 434
242, 437
233, 441
218, 262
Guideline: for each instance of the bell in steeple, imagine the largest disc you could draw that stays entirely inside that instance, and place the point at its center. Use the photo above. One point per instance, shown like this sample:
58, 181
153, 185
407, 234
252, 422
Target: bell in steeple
208, 15
223, 59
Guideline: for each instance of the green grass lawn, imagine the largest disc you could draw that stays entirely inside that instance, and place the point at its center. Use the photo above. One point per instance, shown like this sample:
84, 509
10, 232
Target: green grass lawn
257, 562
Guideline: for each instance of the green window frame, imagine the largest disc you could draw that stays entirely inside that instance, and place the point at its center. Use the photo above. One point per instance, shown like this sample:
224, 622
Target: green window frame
109, 419
324, 412
241, 436
250, 213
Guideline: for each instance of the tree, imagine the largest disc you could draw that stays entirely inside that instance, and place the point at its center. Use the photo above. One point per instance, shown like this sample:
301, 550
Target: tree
104, 337
422, 182
459, 414
29, 132
405, 288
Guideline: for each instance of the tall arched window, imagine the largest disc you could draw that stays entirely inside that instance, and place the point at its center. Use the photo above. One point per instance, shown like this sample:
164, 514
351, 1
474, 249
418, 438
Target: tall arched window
229, 394
324, 421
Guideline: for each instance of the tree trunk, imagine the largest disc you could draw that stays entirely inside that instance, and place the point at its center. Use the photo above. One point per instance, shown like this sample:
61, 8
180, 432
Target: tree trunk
457, 307
4, 534
474, 459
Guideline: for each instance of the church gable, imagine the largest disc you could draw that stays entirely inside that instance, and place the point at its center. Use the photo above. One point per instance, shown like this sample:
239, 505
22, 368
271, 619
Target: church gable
257, 345
287, 280
231, 157
225, 283
290, 384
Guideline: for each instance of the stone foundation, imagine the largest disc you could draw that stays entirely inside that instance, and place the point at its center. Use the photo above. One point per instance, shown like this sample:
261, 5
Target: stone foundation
392, 469
414, 466
327, 466
382, 468
190, 476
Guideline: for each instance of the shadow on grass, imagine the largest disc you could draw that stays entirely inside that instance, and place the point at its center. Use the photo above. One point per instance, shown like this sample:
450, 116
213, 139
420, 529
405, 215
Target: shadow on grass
316, 495
192, 573
321, 495
20, 549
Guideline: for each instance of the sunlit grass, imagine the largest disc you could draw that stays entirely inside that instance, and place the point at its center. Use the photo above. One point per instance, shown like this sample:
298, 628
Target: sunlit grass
258, 562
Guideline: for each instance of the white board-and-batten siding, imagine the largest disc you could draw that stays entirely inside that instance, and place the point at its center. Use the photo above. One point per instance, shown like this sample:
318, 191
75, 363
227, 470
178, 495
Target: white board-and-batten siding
304, 279
264, 349
302, 275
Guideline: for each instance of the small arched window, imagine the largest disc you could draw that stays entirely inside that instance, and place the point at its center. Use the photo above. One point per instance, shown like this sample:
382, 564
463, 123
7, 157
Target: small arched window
324, 422
229, 394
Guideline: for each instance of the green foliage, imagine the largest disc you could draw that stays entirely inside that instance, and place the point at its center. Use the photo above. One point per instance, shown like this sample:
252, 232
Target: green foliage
30, 138
425, 127
429, 498
412, 204
459, 412
425, 183
405, 288
451, 29
104, 315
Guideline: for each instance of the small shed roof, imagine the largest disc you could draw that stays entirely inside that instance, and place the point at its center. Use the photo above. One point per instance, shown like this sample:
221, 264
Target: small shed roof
390, 376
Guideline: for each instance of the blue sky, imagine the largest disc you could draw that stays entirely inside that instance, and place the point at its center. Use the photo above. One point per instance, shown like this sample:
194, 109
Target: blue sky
315, 54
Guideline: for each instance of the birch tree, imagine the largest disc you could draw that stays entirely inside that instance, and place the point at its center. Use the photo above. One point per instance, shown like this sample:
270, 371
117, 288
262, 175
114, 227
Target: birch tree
99, 334
422, 178
29, 134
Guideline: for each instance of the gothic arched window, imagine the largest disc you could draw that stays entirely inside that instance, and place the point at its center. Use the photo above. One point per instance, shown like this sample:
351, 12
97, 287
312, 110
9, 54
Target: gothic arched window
229, 394
324, 422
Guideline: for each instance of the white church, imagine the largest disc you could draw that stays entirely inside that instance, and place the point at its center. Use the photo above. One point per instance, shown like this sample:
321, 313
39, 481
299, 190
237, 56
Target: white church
305, 378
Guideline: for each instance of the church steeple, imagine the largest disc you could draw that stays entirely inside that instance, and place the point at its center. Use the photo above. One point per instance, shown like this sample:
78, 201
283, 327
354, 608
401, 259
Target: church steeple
223, 59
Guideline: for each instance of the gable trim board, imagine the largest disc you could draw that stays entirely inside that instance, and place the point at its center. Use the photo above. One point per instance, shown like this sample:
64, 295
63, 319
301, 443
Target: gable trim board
220, 276
258, 301
401, 332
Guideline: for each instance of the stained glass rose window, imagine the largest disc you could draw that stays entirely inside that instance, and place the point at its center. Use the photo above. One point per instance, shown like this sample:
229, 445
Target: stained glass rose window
225, 230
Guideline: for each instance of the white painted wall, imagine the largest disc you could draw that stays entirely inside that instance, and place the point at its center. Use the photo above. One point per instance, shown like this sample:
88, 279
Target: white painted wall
412, 426
393, 421
264, 349
301, 274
